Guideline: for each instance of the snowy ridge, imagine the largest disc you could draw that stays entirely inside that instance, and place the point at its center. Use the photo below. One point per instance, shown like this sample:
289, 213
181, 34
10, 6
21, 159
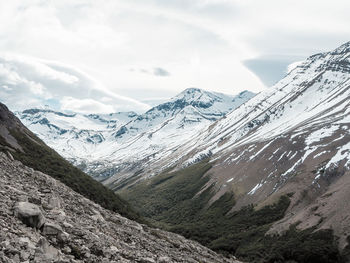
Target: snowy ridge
312, 94
73, 135
107, 144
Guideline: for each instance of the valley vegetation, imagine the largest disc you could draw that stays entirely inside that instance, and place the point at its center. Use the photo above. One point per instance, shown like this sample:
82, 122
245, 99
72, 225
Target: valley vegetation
171, 201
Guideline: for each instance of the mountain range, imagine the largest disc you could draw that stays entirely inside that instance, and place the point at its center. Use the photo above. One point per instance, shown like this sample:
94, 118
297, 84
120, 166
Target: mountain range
105, 145
264, 177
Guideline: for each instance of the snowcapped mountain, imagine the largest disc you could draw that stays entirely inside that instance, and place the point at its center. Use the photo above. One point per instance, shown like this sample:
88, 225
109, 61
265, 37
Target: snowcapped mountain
75, 136
313, 94
291, 138
104, 145
189, 108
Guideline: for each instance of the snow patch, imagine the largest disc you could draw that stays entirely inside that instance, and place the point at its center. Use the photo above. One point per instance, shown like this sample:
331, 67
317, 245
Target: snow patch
342, 154
255, 188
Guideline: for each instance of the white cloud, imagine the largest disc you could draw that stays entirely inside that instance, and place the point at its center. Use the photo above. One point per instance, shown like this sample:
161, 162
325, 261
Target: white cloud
36, 88
85, 105
6, 87
29, 82
201, 43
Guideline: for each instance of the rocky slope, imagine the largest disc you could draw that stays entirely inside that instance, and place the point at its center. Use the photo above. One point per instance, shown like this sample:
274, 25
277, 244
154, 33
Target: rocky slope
123, 143
42, 220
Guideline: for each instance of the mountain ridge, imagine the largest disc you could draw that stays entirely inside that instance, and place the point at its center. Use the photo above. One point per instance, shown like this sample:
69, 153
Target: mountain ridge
99, 143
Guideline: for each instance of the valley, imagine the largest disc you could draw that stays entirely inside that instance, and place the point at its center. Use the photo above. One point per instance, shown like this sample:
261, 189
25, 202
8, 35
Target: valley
260, 176
185, 131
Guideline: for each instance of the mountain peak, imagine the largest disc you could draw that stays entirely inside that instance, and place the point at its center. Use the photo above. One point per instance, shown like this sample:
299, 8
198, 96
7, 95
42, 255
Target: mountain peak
192, 90
190, 94
344, 48
245, 93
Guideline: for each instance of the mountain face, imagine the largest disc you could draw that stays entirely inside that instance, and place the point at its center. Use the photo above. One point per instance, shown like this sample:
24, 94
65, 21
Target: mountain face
118, 145
74, 136
292, 139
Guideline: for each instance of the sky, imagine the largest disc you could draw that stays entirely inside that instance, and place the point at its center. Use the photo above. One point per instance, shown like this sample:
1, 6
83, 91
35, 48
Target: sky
121, 55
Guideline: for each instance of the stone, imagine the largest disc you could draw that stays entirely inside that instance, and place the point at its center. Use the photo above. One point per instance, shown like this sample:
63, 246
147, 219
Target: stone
9, 155
26, 242
16, 259
51, 229
30, 214
98, 218
22, 198
63, 237
148, 260
67, 250
45, 251
34, 200
24, 255
54, 202
164, 260
114, 249
45, 191
67, 225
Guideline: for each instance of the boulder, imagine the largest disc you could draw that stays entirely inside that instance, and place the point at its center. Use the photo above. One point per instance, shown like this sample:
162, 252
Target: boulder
30, 214
51, 229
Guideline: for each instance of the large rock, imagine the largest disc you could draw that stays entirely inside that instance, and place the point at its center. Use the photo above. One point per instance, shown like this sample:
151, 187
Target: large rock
51, 229
30, 214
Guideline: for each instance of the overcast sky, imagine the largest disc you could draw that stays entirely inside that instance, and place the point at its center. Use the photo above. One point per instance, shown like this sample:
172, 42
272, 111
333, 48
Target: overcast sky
116, 55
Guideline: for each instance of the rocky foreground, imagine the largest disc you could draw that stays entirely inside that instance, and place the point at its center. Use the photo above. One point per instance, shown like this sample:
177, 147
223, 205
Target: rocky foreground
42, 220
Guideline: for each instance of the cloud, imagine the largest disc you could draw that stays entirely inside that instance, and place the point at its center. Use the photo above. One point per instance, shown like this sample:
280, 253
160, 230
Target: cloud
270, 69
107, 38
85, 105
6, 87
30, 82
160, 72
157, 71
200, 43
